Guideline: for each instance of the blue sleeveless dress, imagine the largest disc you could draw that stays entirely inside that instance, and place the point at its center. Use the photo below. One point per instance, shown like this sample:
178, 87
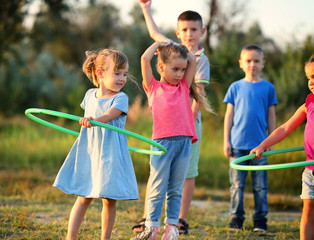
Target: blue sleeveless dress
99, 164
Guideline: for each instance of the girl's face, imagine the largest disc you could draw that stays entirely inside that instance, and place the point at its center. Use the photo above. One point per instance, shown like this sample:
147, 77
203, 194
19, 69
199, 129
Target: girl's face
309, 71
173, 71
113, 80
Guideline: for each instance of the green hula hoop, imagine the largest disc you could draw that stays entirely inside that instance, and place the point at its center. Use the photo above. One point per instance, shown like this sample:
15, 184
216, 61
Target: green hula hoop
234, 164
29, 112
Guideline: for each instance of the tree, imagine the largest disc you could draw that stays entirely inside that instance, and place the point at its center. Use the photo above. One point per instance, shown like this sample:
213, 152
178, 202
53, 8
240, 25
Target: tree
220, 21
289, 79
225, 55
12, 14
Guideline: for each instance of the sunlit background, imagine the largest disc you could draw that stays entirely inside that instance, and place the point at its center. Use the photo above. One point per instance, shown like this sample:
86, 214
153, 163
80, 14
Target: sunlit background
42, 48
279, 19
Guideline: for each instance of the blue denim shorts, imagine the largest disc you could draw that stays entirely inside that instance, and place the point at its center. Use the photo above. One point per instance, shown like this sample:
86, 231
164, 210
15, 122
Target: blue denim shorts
307, 184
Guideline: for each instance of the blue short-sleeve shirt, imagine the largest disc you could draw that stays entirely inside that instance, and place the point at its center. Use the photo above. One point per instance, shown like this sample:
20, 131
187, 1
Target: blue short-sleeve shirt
250, 121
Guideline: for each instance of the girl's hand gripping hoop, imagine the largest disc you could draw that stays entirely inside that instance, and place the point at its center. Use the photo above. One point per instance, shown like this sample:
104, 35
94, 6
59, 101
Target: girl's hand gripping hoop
29, 112
234, 164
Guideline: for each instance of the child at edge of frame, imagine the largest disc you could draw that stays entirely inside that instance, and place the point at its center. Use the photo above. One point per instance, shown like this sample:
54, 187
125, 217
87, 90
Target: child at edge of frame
250, 115
304, 112
92, 169
189, 30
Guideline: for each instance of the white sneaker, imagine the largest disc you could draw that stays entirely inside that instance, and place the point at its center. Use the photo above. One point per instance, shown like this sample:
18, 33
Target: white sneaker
149, 233
171, 233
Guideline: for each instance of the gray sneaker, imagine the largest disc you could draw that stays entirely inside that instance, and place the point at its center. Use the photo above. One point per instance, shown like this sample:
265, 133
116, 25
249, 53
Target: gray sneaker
149, 233
171, 233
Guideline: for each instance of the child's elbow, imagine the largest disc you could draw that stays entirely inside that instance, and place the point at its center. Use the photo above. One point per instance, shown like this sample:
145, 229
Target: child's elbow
152, 35
155, 36
145, 58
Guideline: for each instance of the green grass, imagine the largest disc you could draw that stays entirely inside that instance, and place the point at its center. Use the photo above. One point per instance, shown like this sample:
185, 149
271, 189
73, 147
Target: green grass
27, 144
30, 208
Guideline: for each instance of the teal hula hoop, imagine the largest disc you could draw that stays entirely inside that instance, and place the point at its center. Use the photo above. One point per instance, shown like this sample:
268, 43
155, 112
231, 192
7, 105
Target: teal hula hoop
234, 164
29, 114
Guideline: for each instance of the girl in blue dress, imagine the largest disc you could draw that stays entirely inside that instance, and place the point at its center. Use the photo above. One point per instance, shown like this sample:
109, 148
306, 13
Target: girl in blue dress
99, 164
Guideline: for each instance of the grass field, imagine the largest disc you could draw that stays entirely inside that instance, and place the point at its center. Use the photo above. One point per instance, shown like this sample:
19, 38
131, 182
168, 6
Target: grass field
26, 145
30, 208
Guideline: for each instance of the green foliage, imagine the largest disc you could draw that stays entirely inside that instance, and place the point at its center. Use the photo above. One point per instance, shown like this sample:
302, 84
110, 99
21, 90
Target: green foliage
225, 56
12, 14
44, 71
70, 31
285, 69
134, 46
289, 79
41, 65
41, 81
28, 145
224, 69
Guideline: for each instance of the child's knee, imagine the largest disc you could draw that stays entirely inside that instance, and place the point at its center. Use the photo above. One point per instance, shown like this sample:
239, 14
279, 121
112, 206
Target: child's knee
109, 202
308, 206
84, 201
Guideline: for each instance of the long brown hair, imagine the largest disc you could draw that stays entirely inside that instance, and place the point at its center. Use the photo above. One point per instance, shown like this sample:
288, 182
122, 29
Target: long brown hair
200, 98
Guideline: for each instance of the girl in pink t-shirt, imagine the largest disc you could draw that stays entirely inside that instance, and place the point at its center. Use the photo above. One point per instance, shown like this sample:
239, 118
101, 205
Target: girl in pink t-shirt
173, 127
305, 112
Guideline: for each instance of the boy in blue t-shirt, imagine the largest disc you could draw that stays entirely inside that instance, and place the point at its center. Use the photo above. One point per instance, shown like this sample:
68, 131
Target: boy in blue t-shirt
249, 115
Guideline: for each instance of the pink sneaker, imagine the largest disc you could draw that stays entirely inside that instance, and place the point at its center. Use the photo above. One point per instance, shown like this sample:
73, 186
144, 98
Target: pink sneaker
149, 233
171, 233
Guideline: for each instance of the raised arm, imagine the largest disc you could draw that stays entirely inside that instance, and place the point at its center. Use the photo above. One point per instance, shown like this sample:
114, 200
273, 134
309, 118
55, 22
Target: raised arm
282, 132
150, 23
190, 69
146, 58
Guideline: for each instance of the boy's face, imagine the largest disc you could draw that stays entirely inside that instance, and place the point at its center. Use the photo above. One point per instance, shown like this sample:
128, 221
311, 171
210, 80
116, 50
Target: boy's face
251, 62
190, 32
309, 71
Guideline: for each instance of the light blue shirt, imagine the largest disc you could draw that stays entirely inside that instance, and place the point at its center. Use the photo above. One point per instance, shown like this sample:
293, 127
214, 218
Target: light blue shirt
99, 164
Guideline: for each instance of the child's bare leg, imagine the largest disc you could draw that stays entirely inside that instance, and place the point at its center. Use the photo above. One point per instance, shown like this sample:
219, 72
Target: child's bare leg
108, 217
77, 215
307, 220
187, 196
141, 228
146, 197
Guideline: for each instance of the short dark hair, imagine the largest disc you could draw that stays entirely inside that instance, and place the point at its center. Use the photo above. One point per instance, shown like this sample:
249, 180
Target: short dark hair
253, 47
310, 60
190, 16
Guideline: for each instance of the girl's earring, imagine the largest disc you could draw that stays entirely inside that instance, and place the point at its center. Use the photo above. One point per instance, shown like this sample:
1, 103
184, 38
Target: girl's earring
99, 74
161, 68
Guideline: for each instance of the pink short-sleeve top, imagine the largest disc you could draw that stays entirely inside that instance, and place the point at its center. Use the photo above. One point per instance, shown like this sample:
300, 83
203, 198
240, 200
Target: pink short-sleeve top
171, 109
309, 129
